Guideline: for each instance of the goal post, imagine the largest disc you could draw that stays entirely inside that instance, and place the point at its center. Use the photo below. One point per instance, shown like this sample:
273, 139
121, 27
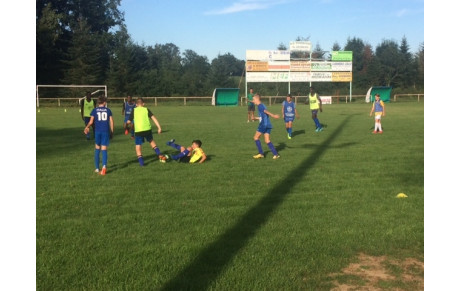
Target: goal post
101, 88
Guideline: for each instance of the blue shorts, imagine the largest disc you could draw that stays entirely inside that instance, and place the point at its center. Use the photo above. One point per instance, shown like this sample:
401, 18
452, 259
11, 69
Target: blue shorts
87, 120
251, 107
314, 112
102, 138
288, 119
264, 130
138, 140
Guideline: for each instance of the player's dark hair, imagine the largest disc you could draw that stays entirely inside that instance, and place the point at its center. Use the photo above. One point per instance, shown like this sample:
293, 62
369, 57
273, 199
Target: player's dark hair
198, 142
139, 100
101, 99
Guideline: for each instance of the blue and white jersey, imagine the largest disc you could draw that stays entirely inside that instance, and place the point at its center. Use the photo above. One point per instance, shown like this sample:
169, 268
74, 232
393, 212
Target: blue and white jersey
289, 110
128, 109
265, 119
101, 119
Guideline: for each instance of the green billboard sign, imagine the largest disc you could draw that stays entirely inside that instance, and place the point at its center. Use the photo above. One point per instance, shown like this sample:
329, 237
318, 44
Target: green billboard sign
342, 56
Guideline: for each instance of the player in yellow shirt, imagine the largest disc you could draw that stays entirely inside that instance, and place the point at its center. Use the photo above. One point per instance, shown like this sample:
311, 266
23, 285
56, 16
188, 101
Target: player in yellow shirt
191, 154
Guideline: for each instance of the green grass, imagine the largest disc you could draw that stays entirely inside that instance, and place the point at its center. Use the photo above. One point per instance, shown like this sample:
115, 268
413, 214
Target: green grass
232, 223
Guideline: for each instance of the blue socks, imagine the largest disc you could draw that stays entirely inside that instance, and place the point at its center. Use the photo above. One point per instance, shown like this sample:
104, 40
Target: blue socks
176, 146
157, 151
318, 125
141, 160
259, 147
272, 148
104, 158
181, 155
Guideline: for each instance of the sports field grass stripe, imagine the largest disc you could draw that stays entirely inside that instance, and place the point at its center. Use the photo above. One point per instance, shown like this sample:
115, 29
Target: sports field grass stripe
212, 260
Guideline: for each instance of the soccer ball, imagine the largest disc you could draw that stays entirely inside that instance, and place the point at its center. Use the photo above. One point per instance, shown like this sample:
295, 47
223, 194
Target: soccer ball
164, 159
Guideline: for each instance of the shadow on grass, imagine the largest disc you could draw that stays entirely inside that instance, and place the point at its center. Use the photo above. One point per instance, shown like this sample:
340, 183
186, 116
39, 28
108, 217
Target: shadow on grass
298, 132
212, 260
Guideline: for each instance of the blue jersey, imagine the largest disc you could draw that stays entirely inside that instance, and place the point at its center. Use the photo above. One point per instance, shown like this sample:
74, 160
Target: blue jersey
101, 119
129, 108
265, 121
289, 110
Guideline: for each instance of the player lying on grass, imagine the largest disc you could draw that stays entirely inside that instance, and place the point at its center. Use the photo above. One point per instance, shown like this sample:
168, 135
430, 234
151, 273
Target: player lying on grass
191, 154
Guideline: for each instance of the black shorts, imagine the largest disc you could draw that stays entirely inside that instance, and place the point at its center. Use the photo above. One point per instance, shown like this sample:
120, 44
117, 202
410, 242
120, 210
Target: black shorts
251, 107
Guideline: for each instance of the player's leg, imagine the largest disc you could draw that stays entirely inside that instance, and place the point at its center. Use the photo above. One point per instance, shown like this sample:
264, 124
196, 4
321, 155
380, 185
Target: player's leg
270, 144
258, 144
379, 123
86, 123
155, 148
174, 145
183, 153
97, 153
376, 125
139, 140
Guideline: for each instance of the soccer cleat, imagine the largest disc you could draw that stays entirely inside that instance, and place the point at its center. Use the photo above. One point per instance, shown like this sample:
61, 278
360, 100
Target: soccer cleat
320, 129
289, 136
162, 159
374, 131
317, 129
381, 131
96, 171
258, 156
276, 157
126, 132
170, 142
103, 171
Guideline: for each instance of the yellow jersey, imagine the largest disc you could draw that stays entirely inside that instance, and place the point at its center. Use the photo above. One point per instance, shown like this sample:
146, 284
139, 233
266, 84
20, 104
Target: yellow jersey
196, 155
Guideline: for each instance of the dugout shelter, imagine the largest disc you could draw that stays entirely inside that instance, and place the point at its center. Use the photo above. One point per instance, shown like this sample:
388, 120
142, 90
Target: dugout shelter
384, 91
225, 96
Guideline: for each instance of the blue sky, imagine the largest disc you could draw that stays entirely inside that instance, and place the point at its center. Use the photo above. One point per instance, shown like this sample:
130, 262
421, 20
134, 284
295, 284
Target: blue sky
217, 27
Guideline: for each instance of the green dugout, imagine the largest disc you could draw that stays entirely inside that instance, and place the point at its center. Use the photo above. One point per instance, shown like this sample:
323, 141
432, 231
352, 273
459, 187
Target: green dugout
385, 93
225, 96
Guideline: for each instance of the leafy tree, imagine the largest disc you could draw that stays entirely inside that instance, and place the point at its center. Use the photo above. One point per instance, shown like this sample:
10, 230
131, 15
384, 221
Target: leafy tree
223, 70
282, 47
195, 71
390, 60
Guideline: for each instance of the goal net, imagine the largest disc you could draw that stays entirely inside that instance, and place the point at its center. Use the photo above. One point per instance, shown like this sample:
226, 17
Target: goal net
58, 95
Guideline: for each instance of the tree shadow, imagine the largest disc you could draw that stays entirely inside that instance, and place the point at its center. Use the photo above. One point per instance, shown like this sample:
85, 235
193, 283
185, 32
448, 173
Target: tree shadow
200, 273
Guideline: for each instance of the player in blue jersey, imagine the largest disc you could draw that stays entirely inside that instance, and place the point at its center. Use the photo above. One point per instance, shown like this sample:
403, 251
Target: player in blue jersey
264, 128
101, 117
289, 114
128, 107
379, 108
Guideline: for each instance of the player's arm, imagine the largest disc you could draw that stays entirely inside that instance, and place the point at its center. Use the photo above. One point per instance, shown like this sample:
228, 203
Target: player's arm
383, 107
123, 109
276, 116
320, 104
91, 120
372, 110
82, 109
203, 158
156, 123
296, 114
282, 110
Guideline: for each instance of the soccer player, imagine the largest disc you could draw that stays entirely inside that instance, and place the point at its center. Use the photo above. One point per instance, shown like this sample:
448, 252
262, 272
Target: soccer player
289, 114
102, 118
87, 105
141, 116
251, 106
128, 107
264, 128
379, 108
315, 103
191, 154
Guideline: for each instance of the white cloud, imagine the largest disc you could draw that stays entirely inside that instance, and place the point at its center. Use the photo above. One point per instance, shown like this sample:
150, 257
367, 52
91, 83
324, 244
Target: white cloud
246, 5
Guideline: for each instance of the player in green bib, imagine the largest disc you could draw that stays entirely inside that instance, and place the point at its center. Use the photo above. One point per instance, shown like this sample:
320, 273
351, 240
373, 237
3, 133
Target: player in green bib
251, 106
141, 117
87, 105
315, 104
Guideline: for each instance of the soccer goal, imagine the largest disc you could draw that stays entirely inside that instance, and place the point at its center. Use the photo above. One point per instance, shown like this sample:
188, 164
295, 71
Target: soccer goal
65, 93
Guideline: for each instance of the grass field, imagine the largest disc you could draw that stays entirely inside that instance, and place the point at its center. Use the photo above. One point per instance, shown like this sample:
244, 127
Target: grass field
232, 223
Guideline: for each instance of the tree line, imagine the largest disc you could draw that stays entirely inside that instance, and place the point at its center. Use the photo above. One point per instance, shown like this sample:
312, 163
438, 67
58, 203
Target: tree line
87, 42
